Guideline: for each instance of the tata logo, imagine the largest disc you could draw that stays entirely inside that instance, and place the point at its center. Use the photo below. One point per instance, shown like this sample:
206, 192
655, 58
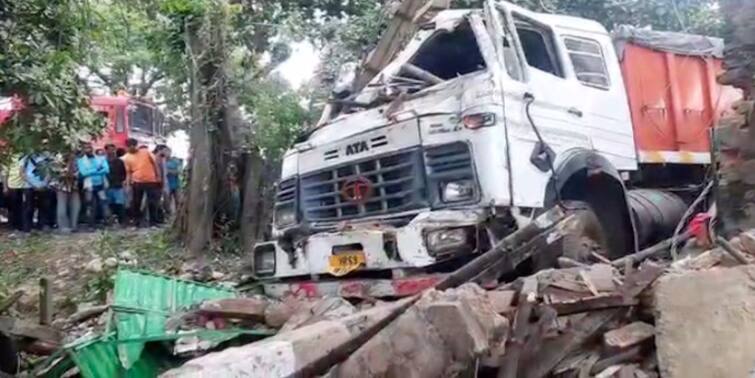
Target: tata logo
356, 148
357, 190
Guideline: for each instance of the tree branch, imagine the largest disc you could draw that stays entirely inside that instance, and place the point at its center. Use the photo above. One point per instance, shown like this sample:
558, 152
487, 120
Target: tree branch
147, 85
105, 79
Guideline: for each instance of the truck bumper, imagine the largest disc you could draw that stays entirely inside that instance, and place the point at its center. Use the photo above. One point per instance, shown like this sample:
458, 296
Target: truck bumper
383, 247
354, 288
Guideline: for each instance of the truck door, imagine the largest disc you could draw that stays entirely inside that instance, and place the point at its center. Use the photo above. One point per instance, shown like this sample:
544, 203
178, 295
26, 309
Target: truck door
547, 109
593, 71
535, 91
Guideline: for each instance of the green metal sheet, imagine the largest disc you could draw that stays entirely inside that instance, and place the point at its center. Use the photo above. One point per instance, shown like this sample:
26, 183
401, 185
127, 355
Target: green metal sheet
143, 301
99, 359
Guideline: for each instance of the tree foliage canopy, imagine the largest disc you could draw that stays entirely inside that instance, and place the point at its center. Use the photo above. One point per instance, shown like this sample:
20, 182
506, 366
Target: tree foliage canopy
42, 43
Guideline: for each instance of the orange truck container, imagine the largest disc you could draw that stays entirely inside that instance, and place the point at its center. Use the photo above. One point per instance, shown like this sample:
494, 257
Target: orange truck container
674, 98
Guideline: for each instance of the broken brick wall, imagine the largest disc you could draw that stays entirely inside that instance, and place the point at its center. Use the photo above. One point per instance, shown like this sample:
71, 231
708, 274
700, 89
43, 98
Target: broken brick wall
736, 132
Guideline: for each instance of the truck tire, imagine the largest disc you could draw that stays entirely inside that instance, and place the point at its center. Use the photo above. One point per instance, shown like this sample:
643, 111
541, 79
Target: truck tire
584, 236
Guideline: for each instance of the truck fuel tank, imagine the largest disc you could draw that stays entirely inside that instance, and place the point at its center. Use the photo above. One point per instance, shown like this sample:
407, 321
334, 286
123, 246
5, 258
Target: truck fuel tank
656, 213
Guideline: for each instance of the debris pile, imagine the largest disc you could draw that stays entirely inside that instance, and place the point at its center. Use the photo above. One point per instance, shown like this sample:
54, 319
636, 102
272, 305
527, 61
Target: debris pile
642, 315
625, 318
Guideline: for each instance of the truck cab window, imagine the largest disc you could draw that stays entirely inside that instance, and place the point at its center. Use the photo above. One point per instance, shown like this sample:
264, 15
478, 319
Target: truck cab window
140, 118
450, 54
538, 49
120, 119
589, 64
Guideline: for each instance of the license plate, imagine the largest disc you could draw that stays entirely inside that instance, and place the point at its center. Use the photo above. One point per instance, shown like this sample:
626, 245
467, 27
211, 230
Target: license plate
346, 262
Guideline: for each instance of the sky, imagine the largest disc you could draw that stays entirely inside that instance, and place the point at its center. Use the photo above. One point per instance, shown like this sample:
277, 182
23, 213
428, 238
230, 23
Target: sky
297, 70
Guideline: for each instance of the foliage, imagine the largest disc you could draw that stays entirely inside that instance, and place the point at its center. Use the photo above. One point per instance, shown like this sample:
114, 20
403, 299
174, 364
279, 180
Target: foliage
42, 42
277, 111
127, 48
693, 16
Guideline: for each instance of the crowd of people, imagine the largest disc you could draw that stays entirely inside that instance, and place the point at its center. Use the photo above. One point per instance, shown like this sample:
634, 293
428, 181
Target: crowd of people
90, 189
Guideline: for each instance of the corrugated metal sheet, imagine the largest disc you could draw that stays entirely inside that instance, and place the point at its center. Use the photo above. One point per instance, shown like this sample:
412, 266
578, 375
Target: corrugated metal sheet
143, 301
98, 359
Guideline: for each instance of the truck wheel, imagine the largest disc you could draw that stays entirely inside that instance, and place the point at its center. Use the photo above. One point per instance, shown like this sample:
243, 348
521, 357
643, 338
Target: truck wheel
583, 237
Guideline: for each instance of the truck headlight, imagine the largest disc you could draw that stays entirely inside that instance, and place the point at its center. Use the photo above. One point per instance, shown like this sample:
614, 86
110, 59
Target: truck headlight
285, 216
446, 239
476, 121
455, 191
264, 260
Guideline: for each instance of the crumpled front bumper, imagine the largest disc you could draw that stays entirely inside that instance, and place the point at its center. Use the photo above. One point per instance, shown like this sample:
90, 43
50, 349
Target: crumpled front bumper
354, 288
384, 247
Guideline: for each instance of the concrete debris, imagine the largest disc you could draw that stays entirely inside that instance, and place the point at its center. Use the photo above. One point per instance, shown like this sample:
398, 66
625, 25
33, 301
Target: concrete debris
94, 265
705, 322
235, 308
111, 262
629, 335
323, 309
502, 301
441, 336
284, 353
278, 313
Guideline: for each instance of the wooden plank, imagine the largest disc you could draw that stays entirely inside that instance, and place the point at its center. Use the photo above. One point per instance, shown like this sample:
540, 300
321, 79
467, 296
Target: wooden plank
655, 250
642, 278
629, 335
598, 302
509, 365
632, 354
556, 349
728, 248
588, 282
399, 28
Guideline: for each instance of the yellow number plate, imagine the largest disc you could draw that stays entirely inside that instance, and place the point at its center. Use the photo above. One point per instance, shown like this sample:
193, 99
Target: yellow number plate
344, 263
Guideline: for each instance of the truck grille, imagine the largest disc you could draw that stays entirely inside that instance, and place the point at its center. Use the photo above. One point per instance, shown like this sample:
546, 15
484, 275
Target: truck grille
390, 184
449, 161
285, 198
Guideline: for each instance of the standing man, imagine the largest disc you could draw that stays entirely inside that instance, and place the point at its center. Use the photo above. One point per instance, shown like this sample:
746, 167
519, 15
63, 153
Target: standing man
142, 174
172, 172
93, 171
116, 194
65, 183
19, 194
37, 170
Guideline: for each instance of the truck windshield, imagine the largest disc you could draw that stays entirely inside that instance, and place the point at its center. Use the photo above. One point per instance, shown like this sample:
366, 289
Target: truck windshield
443, 56
141, 118
450, 54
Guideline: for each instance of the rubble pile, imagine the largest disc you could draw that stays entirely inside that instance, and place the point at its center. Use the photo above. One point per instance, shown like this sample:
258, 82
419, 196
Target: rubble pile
614, 319
642, 315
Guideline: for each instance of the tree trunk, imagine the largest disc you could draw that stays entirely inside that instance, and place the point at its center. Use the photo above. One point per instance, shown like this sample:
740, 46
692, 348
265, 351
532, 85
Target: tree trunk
251, 201
201, 188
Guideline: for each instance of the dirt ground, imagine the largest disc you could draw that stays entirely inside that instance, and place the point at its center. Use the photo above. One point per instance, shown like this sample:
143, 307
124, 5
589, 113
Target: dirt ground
81, 266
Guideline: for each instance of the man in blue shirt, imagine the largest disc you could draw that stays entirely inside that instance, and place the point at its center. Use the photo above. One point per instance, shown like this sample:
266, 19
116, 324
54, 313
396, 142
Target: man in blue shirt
172, 172
37, 170
93, 172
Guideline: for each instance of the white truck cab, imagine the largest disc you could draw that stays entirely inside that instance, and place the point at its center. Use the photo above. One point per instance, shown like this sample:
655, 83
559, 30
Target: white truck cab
484, 118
